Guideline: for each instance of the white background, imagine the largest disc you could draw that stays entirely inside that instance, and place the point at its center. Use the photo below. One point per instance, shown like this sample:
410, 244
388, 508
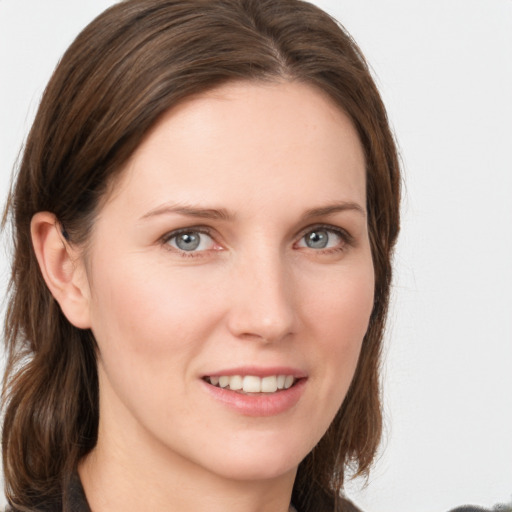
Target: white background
445, 71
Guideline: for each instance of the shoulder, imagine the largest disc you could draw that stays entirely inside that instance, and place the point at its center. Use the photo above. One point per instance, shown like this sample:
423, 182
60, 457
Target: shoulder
72, 500
53, 506
348, 506
49, 507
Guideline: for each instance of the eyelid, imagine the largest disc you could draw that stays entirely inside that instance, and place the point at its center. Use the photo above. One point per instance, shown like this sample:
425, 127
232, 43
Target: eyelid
343, 233
203, 230
347, 238
189, 229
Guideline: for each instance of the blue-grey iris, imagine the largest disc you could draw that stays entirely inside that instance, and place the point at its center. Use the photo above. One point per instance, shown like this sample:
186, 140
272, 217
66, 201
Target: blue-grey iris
188, 241
317, 239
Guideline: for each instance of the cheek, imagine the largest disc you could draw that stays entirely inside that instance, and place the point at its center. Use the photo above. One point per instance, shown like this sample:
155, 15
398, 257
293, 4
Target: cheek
148, 327
141, 308
339, 318
342, 303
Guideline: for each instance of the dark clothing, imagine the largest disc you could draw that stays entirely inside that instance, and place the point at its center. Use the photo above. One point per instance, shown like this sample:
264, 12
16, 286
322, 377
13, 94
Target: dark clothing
76, 502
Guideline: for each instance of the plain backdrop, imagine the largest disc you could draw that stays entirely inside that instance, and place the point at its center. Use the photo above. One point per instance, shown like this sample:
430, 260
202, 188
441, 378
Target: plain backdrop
445, 71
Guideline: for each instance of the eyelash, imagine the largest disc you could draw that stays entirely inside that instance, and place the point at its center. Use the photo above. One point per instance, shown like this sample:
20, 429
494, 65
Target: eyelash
185, 254
347, 239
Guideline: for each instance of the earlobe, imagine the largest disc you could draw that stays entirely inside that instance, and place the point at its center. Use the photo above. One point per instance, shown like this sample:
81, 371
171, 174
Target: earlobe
62, 268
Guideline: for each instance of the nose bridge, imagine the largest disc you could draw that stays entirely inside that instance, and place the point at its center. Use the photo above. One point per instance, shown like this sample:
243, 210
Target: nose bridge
262, 304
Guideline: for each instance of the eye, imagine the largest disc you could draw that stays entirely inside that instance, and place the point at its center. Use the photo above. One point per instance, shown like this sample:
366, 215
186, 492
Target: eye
323, 238
190, 241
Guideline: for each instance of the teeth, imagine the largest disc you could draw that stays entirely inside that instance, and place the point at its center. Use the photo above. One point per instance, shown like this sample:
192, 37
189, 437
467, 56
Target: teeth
235, 383
252, 383
269, 384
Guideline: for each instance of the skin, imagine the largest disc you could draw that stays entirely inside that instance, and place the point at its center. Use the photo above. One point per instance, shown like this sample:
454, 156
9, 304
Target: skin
254, 293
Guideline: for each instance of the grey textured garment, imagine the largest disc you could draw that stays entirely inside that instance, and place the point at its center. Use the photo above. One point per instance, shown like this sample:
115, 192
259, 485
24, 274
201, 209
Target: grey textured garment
471, 508
77, 502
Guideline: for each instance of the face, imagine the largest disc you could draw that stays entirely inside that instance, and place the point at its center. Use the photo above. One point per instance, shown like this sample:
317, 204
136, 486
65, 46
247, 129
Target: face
230, 282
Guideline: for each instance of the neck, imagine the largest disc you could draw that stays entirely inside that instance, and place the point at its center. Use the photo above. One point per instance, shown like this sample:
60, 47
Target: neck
132, 487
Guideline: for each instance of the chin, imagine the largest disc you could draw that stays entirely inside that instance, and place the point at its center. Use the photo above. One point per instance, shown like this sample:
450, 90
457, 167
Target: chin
257, 470
255, 461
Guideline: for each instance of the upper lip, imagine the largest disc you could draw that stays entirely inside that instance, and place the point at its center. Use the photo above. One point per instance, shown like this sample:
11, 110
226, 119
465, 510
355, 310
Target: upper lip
258, 371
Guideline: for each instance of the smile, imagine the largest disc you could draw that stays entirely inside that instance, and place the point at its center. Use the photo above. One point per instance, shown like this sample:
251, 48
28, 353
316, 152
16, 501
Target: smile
252, 383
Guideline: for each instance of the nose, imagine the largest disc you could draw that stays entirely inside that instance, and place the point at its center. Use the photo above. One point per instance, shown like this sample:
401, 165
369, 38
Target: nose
262, 300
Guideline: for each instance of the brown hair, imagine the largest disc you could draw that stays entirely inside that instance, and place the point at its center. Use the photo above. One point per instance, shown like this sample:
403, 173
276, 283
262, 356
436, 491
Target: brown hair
127, 68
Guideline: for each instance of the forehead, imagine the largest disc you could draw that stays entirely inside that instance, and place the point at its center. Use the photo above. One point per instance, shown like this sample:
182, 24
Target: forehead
251, 140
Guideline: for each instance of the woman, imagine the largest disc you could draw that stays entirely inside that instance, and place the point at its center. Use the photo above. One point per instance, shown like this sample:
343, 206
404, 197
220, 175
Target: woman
203, 223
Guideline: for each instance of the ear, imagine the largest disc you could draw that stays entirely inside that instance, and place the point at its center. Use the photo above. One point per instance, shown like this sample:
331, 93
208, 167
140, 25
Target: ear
62, 269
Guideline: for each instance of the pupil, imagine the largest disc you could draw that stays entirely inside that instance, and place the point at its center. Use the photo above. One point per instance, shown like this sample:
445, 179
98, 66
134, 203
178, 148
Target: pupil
317, 239
188, 241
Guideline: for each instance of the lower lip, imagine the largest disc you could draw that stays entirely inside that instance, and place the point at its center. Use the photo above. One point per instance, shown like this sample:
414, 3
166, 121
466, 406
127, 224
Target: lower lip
259, 404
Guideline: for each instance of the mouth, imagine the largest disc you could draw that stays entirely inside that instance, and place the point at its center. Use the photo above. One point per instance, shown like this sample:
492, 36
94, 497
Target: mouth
249, 384
257, 392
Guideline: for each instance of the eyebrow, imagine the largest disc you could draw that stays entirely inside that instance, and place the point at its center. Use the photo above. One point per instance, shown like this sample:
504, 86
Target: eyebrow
225, 215
330, 209
191, 211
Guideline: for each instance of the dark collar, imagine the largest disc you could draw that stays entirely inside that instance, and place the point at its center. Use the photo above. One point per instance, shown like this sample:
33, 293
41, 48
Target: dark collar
75, 498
